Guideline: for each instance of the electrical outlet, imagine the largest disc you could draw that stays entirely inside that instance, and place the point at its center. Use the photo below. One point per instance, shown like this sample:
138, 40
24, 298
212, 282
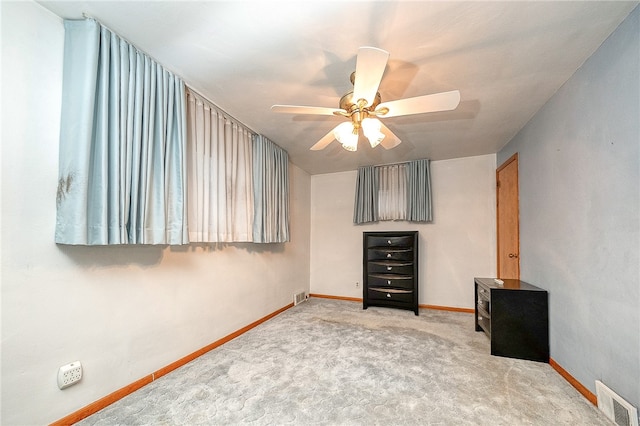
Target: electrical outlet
357, 284
69, 374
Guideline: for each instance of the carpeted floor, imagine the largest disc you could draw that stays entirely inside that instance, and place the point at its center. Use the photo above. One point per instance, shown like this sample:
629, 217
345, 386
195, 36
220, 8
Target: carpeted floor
328, 362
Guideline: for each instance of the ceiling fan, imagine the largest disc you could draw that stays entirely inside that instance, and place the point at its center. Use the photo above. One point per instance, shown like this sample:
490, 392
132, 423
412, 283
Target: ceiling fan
363, 106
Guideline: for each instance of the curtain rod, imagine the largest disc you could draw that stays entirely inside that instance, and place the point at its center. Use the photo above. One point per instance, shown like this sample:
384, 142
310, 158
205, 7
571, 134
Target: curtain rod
395, 164
226, 114
87, 16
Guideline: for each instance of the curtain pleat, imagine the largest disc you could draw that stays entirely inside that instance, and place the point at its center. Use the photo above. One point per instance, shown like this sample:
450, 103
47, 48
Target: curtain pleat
220, 182
271, 189
366, 199
122, 144
419, 191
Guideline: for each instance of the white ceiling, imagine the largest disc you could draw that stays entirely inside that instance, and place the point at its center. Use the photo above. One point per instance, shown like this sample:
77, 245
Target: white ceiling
506, 58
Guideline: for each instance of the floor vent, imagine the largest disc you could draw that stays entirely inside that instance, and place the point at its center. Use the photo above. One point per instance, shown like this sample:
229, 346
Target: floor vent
299, 297
614, 407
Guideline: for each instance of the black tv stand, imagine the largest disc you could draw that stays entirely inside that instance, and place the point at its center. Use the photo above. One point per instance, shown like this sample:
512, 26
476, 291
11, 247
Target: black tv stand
515, 316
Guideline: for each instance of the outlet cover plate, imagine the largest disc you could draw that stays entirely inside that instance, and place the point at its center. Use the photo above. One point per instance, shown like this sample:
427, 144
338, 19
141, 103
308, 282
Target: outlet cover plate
69, 374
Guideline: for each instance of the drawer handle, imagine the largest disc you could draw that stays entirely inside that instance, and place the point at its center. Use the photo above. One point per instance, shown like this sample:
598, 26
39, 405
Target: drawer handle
388, 282
481, 290
388, 254
388, 241
479, 318
388, 295
389, 268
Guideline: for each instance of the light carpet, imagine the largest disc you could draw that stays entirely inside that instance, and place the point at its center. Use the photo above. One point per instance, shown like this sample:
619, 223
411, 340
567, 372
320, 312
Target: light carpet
329, 362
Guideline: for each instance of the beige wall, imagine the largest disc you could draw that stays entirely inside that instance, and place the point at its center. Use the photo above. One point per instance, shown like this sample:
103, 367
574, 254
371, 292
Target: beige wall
458, 245
124, 312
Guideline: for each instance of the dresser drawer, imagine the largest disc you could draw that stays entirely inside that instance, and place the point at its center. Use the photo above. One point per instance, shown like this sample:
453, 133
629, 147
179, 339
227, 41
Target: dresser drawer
484, 305
483, 292
388, 241
391, 280
484, 299
391, 267
484, 321
381, 253
391, 294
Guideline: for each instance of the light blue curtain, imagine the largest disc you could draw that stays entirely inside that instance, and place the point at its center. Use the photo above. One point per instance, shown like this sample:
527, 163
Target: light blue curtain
366, 200
122, 144
418, 191
271, 192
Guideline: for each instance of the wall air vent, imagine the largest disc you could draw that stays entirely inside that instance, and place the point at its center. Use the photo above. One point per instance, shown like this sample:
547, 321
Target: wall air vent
299, 297
614, 407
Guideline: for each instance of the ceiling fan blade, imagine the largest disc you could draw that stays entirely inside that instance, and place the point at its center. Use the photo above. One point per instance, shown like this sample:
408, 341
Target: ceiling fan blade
390, 140
296, 109
445, 101
323, 142
370, 66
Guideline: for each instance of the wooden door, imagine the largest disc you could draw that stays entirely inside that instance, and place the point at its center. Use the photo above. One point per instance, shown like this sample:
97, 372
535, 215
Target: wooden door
507, 211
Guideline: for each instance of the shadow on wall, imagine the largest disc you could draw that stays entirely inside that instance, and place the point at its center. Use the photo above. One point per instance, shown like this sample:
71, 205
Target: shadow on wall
115, 255
151, 255
253, 248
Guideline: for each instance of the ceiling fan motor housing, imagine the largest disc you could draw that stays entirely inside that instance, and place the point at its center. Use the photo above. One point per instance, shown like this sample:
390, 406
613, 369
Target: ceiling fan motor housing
357, 111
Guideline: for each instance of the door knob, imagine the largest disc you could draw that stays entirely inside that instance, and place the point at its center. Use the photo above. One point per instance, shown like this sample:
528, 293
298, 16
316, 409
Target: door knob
512, 255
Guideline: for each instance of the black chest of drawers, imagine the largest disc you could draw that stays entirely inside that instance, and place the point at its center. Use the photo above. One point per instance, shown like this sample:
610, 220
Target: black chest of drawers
515, 316
390, 270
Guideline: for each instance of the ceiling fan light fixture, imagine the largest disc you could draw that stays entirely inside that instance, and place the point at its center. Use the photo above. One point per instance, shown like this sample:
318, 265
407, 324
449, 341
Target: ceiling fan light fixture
371, 128
375, 140
347, 135
363, 105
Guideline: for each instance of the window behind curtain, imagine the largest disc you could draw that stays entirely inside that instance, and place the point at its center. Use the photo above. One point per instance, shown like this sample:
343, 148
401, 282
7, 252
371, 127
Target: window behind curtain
393, 192
138, 166
238, 181
220, 175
